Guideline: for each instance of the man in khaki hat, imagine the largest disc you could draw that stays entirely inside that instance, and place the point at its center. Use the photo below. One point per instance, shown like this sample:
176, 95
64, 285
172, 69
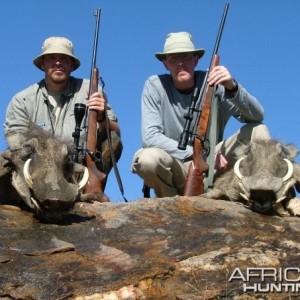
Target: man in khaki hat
50, 102
165, 101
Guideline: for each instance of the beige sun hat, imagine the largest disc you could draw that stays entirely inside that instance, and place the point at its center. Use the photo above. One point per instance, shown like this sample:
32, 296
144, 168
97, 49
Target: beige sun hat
57, 45
179, 42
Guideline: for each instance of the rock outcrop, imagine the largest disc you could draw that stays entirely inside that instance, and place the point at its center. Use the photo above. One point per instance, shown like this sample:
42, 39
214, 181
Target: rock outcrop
168, 248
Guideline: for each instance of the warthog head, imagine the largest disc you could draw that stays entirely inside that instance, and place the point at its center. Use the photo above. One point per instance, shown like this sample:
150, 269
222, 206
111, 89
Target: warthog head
44, 174
263, 176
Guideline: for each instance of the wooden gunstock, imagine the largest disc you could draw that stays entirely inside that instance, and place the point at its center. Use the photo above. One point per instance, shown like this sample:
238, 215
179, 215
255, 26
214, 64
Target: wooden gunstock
97, 178
194, 185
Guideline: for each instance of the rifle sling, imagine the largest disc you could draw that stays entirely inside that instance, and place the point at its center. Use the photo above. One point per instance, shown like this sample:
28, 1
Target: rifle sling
113, 158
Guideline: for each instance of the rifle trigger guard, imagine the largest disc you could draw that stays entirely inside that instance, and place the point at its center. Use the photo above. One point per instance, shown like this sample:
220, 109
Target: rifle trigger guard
202, 138
96, 156
206, 146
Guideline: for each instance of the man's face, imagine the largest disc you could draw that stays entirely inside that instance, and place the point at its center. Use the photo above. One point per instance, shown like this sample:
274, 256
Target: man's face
57, 67
181, 66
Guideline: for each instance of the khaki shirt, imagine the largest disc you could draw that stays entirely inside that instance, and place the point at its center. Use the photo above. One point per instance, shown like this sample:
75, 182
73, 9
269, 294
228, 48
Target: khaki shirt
32, 104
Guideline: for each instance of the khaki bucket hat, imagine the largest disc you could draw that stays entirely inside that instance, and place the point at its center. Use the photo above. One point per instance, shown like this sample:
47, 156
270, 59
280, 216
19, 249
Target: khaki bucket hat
179, 42
57, 45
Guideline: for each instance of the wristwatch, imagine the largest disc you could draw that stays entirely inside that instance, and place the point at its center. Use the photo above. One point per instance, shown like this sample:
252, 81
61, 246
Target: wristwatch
232, 92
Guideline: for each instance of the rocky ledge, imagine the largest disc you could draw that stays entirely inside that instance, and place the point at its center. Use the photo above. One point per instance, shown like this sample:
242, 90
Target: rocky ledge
167, 248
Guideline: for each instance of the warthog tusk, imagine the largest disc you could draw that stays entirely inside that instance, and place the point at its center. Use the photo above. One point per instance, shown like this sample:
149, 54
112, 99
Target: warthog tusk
237, 169
36, 204
27, 174
280, 199
290, 171
29, 181
84, 179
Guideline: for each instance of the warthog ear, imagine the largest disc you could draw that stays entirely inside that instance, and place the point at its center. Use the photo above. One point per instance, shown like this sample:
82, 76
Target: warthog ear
28, 148
6, 155
242, 150
289, 151
6, 164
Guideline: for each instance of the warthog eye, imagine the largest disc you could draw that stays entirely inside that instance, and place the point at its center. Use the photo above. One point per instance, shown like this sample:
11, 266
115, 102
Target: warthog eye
28, 148
26, 152
68, 167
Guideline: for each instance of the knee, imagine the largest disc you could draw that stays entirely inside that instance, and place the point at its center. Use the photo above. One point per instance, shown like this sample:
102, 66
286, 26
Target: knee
260, 132
148, 160
256, 131
145, 161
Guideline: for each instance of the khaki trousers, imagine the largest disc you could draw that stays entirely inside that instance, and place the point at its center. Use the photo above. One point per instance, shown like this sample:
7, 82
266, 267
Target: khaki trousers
167, 175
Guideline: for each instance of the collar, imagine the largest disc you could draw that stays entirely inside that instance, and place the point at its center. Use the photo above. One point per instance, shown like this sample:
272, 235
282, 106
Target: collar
67, 93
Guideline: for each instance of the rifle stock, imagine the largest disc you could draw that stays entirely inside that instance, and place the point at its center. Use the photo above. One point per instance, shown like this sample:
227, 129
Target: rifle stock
97, 178
194, 185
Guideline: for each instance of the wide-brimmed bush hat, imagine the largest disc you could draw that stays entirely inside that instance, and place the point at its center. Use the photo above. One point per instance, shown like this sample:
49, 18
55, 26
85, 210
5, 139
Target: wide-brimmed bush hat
57, 45
179, 42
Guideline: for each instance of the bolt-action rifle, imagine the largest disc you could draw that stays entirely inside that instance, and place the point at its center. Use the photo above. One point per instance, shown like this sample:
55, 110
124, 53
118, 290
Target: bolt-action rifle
194, 183
90, 155
97, 178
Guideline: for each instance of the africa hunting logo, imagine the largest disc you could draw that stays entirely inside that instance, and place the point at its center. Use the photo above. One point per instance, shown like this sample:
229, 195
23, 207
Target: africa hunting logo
268, 280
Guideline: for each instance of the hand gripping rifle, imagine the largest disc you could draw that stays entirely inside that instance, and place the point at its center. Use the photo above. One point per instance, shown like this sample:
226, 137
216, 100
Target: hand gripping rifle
194, 182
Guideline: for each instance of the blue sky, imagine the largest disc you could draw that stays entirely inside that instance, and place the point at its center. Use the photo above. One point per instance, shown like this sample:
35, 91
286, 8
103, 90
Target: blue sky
260, 46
